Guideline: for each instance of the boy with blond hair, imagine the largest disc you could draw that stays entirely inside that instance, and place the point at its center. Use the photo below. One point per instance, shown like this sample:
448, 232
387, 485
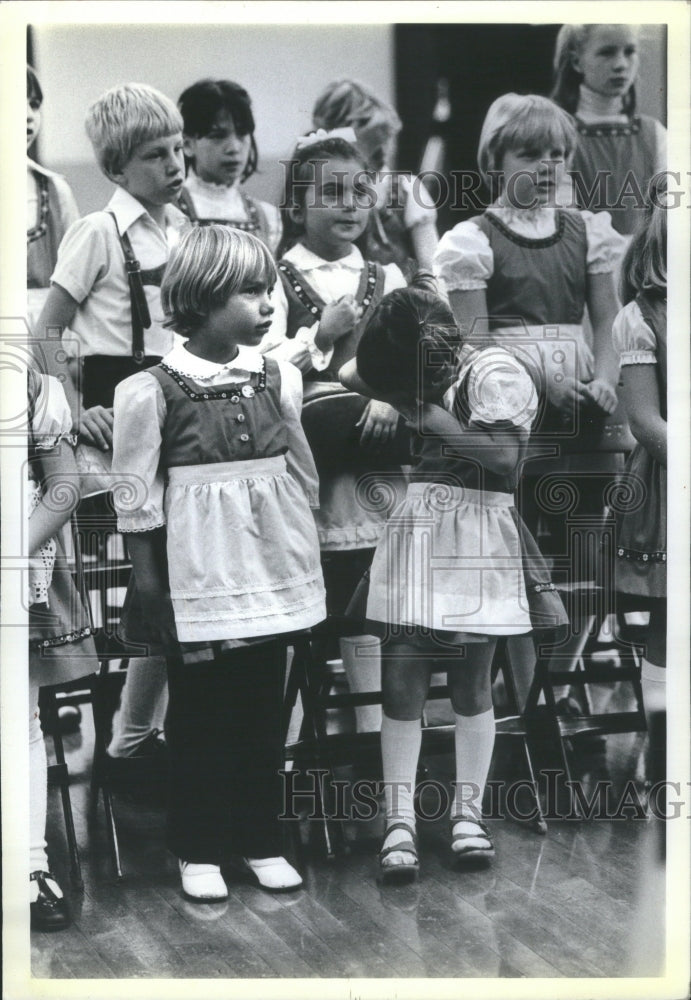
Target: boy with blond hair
105, 299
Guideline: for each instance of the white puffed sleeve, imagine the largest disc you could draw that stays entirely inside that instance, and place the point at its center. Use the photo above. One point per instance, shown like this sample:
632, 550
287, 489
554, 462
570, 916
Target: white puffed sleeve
51, 420
500, 389
464, 260
299, 458
633, 339
606, 246
139, 411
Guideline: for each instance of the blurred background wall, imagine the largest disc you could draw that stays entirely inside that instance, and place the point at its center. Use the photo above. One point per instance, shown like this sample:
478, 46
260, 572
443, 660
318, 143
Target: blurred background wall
284, 68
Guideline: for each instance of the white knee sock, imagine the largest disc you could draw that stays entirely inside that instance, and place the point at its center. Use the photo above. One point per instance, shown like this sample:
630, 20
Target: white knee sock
474, 738
142, 705
38, 791
400, 750
654, 684
362, 664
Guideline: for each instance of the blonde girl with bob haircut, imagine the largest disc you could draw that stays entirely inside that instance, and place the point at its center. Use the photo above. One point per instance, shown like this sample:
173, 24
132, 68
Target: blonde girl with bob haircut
224, 551
521, 276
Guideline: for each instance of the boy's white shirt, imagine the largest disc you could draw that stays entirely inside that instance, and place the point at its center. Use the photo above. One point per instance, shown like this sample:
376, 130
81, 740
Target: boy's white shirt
331, 280
91, 252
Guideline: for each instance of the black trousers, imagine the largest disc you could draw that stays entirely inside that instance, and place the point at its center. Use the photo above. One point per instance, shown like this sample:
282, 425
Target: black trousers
223, 731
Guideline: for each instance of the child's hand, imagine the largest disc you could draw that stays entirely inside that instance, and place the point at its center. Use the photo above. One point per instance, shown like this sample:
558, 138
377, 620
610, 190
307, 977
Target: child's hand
379, 423
96, 427
338, 319
567, 394
602, 394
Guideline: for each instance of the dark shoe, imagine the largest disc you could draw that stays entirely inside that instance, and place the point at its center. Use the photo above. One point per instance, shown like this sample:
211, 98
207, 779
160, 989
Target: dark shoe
49, 912
147, 762
153, 745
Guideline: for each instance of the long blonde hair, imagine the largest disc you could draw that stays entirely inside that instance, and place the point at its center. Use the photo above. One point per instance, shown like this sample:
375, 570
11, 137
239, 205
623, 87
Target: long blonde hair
644, 267
571, 40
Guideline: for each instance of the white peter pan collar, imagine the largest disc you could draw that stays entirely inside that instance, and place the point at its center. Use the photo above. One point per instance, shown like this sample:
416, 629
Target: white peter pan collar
248, 361
304, 260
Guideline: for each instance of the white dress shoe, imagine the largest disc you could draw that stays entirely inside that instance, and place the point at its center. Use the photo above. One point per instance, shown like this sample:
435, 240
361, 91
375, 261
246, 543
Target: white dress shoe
202, 883
273, 874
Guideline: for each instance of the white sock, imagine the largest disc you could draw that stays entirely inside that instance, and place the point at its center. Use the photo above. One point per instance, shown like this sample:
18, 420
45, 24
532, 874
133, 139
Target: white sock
474, 738
38, 790
142, 704
361, 656
400, 750
654, 684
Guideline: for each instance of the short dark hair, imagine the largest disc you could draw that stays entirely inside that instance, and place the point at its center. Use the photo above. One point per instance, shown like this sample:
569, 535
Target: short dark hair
200, 104
405, 330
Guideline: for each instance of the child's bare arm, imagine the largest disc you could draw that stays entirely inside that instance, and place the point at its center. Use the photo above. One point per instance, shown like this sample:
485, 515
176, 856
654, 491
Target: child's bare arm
603, 306
495, 448
61, 484
641, 397
94, 426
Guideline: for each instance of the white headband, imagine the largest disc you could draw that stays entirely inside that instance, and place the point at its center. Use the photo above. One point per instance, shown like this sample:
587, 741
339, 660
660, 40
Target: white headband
347, 134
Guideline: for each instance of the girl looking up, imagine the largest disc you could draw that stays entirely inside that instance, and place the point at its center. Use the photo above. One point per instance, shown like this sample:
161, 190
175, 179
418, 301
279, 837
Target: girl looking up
222, 154
212, 441
403, 226
618, 149
326, 295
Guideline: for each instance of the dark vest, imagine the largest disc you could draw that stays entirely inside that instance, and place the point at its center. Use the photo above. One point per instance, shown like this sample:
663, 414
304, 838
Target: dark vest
256, 221
536, 280
305, 307
43, 239
618, 150
223, 424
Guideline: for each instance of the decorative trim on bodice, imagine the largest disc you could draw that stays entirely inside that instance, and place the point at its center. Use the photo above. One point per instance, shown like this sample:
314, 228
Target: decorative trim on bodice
256, 383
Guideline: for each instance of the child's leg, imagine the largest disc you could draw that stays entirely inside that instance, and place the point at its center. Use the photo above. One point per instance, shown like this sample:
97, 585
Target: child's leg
361, 656
254, 722
654, 684
142, 705
38, 788
200, 744
405, 683
471, 698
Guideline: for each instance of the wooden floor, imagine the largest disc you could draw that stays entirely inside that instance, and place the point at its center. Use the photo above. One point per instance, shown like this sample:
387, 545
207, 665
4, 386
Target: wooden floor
586, 900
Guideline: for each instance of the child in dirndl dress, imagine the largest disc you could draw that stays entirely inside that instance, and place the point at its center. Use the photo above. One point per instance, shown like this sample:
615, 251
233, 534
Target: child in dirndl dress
60, 644
448, 574
640, 336
325, 297
224, 551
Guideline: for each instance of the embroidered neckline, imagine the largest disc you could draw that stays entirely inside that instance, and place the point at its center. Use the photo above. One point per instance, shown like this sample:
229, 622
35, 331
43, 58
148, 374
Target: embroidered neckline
527, 241
41, 227
254, 384
632, 127
303, 294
